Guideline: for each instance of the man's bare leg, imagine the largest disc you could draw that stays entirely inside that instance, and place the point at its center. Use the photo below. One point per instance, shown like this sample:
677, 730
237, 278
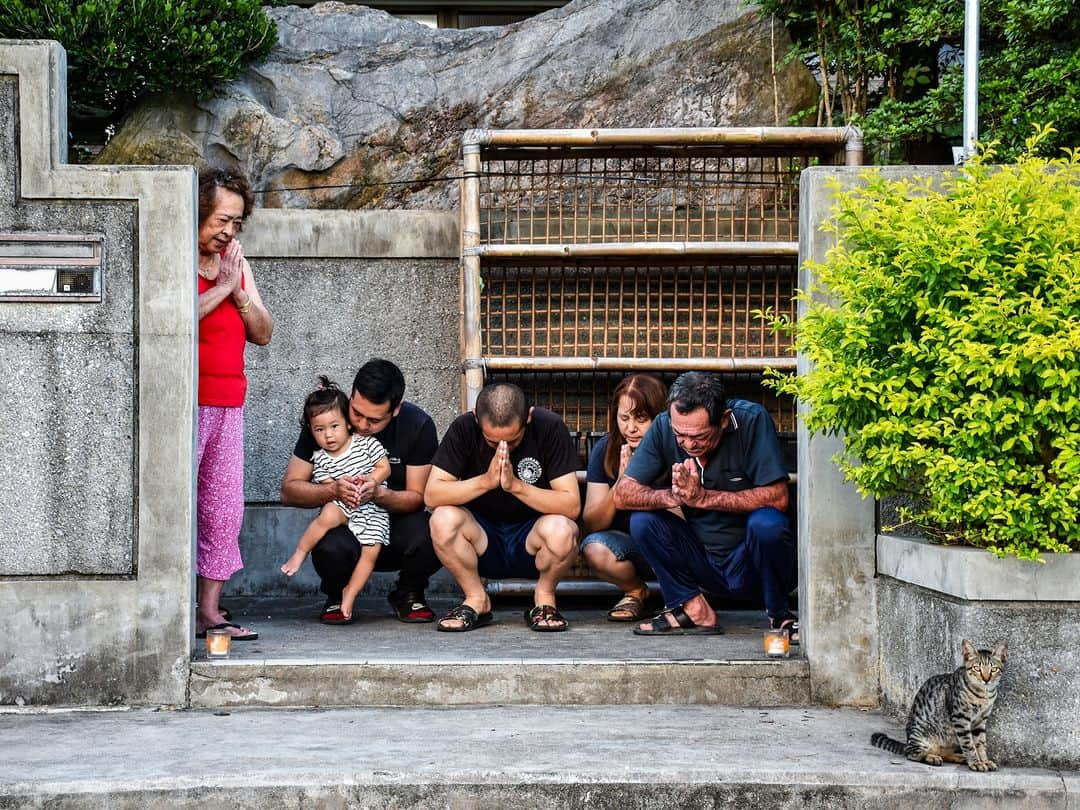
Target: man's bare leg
553, 542
697, 608
459, 541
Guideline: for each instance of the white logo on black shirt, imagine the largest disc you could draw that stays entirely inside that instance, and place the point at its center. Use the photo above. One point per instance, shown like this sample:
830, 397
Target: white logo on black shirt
529, 470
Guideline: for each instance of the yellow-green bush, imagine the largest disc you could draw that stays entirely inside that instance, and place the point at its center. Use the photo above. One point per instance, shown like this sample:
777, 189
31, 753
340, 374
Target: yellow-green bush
944, 340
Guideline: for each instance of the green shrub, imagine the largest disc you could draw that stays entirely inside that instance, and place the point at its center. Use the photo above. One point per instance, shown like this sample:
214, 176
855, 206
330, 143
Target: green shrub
895, 68
118, 50
943, 334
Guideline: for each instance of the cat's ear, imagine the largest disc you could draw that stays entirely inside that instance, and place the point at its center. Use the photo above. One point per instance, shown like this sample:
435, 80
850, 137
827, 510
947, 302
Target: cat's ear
968, 649
1001, 651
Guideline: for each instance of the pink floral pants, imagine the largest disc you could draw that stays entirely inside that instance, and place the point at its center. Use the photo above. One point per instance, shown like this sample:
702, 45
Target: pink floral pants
220, 493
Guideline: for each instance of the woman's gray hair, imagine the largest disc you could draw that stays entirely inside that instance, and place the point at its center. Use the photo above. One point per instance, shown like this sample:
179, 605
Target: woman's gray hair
211, 178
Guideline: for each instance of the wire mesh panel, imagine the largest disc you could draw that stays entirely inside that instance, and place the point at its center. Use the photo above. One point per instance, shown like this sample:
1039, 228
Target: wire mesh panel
635, 310
569, 199
587, 253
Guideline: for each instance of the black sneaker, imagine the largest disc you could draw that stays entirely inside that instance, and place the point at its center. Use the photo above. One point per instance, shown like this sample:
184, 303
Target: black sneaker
331, 613
410, 607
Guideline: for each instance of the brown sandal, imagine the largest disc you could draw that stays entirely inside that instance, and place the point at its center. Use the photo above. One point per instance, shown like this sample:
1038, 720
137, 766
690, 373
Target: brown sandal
631, 607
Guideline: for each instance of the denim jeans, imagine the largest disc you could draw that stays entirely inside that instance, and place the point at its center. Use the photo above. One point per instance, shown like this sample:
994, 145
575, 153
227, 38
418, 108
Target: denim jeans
762, 567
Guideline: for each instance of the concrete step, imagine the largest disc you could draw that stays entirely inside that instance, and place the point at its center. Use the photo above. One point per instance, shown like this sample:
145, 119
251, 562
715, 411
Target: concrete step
379, 661
490, 757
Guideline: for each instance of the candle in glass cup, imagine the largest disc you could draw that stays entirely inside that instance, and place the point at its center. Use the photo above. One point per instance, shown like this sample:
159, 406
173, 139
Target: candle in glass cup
777, 643
218, 643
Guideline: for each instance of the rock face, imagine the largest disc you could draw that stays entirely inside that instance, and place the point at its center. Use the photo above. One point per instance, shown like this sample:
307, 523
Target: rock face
356, 98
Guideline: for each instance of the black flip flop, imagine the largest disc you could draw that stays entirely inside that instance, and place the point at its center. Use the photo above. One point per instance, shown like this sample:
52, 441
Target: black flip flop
545, 613
789, 623
660, 626
251, 635
469, 618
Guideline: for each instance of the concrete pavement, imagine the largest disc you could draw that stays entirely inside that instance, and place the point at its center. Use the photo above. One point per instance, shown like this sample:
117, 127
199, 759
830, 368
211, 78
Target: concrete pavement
379, 661
493, 756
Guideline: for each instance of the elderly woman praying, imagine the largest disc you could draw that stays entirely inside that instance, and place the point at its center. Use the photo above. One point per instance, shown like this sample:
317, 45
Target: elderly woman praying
231, 314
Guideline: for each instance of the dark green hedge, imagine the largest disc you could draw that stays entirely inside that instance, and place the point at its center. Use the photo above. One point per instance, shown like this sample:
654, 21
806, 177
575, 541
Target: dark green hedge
119, 50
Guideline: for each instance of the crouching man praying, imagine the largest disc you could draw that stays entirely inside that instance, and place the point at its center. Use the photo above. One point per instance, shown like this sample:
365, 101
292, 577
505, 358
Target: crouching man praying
504, 493
719, 460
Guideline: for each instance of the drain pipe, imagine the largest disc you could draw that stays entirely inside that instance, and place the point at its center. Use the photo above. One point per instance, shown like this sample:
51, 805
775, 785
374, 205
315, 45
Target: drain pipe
971, 80
568, 587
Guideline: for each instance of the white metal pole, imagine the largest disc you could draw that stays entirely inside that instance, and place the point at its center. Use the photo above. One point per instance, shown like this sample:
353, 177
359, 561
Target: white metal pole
971, 78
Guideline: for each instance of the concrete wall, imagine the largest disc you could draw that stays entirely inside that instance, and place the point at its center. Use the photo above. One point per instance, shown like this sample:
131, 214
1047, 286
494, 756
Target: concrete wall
931, 597
835, 525
97, 428
343, 286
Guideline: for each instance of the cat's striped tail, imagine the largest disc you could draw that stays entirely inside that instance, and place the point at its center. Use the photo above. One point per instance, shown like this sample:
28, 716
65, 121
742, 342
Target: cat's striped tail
888, 743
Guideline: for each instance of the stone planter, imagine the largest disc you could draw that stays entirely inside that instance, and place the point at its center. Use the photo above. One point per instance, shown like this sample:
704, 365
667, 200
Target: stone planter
929, 597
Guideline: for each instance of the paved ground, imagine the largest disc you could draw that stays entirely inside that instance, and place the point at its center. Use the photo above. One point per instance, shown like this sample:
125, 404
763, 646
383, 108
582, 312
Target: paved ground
289, 630
607, 756
490, 756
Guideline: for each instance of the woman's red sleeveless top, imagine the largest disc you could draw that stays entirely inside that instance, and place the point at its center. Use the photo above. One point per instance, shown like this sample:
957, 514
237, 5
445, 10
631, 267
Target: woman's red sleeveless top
221, 354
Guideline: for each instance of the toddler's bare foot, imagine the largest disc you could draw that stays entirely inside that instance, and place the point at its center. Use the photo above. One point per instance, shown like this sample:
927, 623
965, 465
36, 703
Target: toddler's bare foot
292, 565
348, 596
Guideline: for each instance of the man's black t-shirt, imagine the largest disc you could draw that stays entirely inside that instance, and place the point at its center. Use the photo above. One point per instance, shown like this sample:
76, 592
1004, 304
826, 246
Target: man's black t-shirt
409, 438
546, 452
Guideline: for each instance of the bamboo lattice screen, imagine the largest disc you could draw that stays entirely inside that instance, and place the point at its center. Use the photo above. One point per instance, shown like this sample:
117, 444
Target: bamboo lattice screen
556, 200
638, 310
582, 397
588, 254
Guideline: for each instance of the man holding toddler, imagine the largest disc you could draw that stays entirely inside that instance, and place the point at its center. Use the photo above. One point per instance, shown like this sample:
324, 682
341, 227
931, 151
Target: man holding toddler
376, 408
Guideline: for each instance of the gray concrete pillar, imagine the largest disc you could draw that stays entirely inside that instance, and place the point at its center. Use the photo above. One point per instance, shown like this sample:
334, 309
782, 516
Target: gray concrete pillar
98, 427
837, 599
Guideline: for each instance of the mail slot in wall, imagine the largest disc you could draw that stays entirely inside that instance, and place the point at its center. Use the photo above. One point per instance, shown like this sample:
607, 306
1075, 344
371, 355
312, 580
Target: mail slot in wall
50, 267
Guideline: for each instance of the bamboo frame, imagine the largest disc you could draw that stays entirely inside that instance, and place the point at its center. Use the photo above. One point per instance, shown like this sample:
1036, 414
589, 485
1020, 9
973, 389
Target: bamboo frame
783, 137
470, 266
717, 364
637, 249
627, 201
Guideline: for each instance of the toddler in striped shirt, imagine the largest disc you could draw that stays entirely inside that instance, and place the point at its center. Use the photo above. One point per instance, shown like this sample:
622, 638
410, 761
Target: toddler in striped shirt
343, 454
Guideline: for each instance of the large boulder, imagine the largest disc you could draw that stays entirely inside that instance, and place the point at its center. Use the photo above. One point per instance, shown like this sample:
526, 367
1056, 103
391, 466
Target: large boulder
355, 98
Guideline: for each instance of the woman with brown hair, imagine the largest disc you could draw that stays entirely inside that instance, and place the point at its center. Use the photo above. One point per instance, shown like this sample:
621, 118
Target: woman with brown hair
231, 314
611, 554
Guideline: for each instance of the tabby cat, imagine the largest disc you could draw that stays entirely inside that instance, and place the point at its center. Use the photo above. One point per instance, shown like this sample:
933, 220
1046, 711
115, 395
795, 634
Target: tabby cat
948, 718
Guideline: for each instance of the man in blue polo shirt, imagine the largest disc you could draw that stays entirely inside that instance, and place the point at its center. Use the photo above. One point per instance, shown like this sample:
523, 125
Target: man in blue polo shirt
719, 461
